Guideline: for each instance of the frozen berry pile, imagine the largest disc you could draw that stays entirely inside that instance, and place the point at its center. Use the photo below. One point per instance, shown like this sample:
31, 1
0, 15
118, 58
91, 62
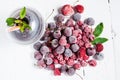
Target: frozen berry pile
70, 43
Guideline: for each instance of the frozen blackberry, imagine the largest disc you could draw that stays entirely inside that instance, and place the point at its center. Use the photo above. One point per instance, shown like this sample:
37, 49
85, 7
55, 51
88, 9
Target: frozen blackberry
51, 25
54, 43
60, 49
72, 39
57, 34
63, 68
37, 46
91, 51
89, 21
77, 16
98, 56
68, 31
68, 53
74, 47
71, 71
59, 18
44, 49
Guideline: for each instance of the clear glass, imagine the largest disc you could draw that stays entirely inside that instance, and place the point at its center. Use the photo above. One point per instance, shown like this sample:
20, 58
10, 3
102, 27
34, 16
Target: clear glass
36, 23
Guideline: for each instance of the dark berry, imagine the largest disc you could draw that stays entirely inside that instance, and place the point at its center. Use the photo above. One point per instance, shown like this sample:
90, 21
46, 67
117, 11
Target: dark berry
60, 49
74, 47
63, 68
76, 16
71, 71
79, 8
44, 49
38, 56
91, 51
68, 31
54, 43
92, 63
98, 56
59, 18
37, 46
68, 53
57, 34
89, 21
49, 60
51, 25
72, 39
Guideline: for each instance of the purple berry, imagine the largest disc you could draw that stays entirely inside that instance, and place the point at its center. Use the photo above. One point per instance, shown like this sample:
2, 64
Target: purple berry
54, 43
89, 21
38, 56
37, 46
51, 25
63, 68
44, 50
59, 18
68, 53
91, 51
74, 47
68, 31
76, 16
71, 71
72, 39
60, 49
98, 56
49, 60
57, 34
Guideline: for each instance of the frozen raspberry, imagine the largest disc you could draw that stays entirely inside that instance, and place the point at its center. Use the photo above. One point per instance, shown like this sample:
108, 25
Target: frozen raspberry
92, 63
50, 55
69, 22
67, 10
51, 67
87, 29
63, 41
79, 8
59, 18
76, 26
75, 33
70, 62
55, 61
66, 58
73, 56
60, 57
77, 65
68, 31
82, 52
67, 45
80, 23
62, 62
91, 37
88, 44
85, 39
83, 63
80, 42
99, 47
85, 57
57, 72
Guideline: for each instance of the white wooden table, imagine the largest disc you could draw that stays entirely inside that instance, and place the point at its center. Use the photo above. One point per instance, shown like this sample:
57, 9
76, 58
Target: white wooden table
17, 62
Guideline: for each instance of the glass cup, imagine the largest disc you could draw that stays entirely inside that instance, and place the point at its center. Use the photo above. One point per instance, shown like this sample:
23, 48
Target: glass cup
35, 21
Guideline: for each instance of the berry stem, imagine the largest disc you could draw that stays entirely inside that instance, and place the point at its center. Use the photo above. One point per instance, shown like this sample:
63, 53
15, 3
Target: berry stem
79, 76
83, 71
49, 15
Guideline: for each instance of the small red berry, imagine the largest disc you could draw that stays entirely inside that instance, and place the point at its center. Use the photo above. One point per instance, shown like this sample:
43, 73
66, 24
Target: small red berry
86, 57
51, 67
92, 63
70, 62
99, 47
67, 10
77, 65
55, 61
57, 72
79, 8
82, 52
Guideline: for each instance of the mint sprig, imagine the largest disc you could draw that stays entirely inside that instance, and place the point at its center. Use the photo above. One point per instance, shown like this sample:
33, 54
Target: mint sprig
19, 22
97, 32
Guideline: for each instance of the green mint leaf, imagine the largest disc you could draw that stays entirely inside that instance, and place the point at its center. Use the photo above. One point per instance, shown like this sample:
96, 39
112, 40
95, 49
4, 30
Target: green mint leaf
23, 13
98, 30
99, 40
10, 21
22, 29
18, 21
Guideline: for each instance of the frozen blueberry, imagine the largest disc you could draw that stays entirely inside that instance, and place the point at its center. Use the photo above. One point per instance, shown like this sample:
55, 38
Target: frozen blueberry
51, 25
74, 47
98, 56
91, 51
60, 49
76, 16
71, 71
49, 60
59, 18
68, 53
38, 56
68, 31
57, 34
37, 46
72, 39
44, 49
89, 21
54, 43
63, 68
